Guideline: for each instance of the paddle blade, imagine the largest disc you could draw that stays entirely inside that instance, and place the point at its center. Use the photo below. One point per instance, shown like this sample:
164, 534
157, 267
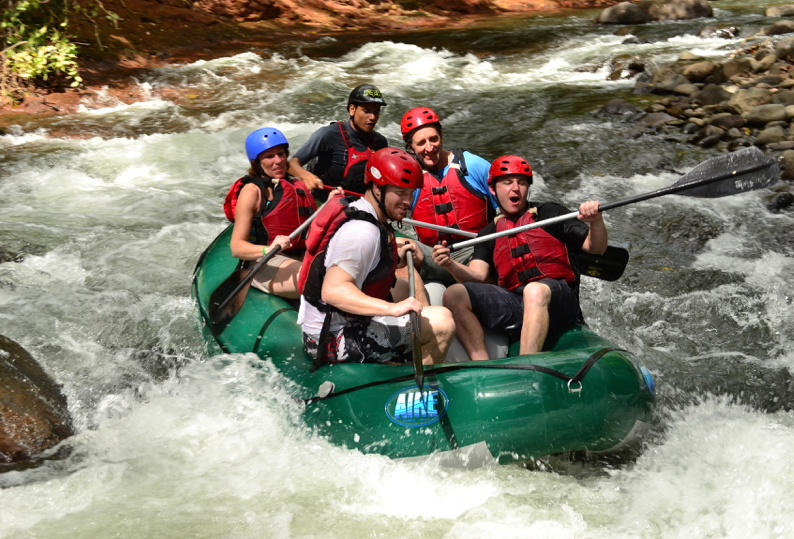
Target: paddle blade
607, 267
219, 314
737, 172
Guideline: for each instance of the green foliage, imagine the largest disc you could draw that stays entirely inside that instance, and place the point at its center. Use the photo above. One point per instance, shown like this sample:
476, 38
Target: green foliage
35, 44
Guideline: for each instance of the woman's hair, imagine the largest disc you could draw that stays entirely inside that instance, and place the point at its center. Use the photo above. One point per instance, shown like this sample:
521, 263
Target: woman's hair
255, 170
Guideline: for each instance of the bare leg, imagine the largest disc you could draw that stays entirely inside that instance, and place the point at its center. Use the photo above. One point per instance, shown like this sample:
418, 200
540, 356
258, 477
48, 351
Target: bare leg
537, 297
438, 330
421, 293
468, 326
285, 283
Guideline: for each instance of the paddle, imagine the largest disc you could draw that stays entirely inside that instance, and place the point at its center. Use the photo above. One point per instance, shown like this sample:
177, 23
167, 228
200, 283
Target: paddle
738, 172
416, 328
222, 311
607, 267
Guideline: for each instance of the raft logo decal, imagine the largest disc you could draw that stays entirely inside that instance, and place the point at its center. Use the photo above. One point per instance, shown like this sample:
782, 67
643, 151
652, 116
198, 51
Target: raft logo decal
411, 408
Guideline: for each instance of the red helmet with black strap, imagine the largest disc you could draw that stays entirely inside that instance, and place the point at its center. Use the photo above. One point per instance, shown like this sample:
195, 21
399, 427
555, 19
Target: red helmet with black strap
509, 164
416, 118
392, 166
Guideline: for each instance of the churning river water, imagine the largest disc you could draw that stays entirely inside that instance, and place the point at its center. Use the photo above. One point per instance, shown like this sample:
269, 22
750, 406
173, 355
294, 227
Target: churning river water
100, 234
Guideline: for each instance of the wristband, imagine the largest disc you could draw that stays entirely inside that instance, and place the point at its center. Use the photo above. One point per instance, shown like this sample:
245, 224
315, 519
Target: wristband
264, 250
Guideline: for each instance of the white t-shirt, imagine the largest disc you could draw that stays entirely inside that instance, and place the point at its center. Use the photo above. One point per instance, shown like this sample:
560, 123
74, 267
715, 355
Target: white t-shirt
355, 248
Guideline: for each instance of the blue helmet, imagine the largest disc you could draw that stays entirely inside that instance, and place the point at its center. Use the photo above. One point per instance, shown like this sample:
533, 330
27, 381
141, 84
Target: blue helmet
263, 139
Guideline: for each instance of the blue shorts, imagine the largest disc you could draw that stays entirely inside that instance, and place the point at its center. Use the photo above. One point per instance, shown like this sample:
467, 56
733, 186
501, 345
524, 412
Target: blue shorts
503, 310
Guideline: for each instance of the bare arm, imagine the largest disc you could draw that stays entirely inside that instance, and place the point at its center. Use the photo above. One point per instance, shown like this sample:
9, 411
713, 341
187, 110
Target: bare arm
340, 290
296, 169
478, 271
597, 238
245, 212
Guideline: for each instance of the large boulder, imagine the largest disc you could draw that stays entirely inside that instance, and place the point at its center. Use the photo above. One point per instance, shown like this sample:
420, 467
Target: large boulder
676, 10
781, 27
33, 411
784, 49
624, 13
654, 10
782, 10
746, 100
763, 114
698, 71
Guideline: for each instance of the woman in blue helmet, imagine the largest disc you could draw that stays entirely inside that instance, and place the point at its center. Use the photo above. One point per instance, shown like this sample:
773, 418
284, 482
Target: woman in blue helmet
266, 206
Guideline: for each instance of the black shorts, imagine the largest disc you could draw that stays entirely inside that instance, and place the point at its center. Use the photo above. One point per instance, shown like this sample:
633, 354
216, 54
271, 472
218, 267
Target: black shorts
365, 339
503, 310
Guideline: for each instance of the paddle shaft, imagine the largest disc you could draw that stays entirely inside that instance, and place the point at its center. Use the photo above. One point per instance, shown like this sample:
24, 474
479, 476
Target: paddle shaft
675, 188
259, 265
439, 228
416, 327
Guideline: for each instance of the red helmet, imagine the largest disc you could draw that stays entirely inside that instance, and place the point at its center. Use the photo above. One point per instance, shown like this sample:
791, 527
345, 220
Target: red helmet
416, 118
509, 164
392, 166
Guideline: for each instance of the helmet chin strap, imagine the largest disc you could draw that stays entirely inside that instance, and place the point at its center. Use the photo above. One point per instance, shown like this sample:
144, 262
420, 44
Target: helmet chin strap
381, 205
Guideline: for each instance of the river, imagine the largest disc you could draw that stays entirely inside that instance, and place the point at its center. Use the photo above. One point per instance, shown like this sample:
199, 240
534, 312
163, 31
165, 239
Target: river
104, 213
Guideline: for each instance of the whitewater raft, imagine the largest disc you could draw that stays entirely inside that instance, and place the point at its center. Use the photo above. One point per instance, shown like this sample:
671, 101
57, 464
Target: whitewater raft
581, 394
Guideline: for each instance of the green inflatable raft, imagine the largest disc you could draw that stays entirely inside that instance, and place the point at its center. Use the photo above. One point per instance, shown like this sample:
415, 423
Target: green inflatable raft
581, 394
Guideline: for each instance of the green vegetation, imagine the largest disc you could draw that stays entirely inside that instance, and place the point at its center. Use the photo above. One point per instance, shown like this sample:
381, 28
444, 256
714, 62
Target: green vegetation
35, 43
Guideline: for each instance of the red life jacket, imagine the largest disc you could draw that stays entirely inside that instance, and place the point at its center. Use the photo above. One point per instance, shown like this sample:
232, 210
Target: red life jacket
451, 202
332, 216
292, 204
530, 255
351, 177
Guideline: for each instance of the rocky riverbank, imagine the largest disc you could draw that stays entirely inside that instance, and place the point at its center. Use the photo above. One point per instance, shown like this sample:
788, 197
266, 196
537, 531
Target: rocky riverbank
143, 34
747, 100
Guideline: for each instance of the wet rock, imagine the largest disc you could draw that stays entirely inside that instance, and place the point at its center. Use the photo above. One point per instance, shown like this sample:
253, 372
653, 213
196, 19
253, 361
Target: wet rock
675, 10
654, 10
686, 89
657, 118
33, 411
783, 97
690, 128
780, 201
781, 27
728, 121
710, 141
734, 133
698, 71
625, 67
781, 146
784, 10
737, 67
623, 13
770, 135
669, 84
712, 94
636, 40
784, 48
763, 114
746, 100
619, 107
724, 32
687, 56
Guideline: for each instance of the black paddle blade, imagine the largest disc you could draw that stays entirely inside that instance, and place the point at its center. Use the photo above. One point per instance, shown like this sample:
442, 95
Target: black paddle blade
607, 267
220, 318
737, 172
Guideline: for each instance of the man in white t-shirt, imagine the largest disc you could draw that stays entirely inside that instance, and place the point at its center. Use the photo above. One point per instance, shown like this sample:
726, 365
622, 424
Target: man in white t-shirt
353, 309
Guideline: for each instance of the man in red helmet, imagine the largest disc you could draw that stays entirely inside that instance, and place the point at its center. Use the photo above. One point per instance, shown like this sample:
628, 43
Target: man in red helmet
347, 280
536, 286
455, 193
335, 154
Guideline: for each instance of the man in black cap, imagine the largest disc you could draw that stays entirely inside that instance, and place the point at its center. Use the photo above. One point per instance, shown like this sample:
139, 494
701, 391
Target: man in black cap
338, 152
